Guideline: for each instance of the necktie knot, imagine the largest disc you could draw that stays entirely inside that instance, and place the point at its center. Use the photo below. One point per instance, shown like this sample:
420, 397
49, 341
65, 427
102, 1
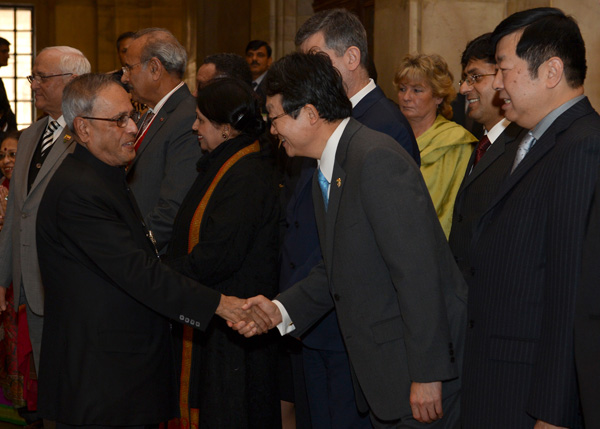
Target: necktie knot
324, 185
48, 138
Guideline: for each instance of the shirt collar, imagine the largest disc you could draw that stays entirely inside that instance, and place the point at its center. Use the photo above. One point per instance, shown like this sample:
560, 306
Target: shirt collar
355, 99
163, 100
259, 79
542, 126
328, 156
497, 129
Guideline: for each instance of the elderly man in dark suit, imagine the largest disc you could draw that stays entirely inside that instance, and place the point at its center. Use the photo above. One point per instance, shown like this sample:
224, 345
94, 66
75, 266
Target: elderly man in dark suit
42, 147
494, 155
167, 151
386, 266
106, 349
339, 34
519, 367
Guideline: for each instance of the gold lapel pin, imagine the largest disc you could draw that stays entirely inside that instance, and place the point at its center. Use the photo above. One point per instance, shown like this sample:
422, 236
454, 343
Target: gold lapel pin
338, 181
67, 138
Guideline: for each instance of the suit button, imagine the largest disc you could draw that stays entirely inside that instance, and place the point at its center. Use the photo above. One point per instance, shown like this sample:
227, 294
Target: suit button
472, 271
459, 218
296, 224
292, 265
470, 324
336, 297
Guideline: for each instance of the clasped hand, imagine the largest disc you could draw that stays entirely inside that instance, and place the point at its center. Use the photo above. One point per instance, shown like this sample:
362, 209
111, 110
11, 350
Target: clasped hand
247, 319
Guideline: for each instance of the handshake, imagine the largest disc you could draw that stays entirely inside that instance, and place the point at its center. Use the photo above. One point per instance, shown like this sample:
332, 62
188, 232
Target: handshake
252, 316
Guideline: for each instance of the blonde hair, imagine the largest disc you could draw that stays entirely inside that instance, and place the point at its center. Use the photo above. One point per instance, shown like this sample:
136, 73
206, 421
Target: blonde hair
432, 69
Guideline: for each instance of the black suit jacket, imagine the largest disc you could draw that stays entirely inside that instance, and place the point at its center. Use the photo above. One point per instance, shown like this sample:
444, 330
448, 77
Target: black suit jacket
477, 190
388, 272
106, 348
519, 365
587, 319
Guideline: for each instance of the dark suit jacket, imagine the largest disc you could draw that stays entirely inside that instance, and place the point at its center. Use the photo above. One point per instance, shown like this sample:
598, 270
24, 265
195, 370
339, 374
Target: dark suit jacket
388, 272
477, 190
526, 262
106, 348
587, 319
379, 113
300, 249
165, 165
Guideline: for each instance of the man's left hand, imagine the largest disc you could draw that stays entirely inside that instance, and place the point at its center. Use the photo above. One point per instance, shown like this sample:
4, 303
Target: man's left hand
426, 401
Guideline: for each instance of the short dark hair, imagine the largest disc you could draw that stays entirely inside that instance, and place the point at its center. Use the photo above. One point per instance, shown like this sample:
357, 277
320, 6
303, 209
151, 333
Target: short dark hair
341, 29
480, 48
309, 79
15, 134
123, 36
547, 33
231, 101
230, 65
4, 42
257, 44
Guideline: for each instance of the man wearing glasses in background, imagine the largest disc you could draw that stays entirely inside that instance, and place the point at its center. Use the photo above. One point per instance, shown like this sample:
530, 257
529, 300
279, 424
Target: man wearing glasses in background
42, 148
484, 174
166, 148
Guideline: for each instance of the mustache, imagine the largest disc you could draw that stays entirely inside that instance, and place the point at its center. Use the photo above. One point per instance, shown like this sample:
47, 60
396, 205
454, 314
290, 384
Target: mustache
254, 63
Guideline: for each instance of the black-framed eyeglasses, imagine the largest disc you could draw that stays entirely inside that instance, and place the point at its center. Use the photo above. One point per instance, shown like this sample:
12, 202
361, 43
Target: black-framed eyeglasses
121, 121
127, 68
11, 155
39, 78
474, 78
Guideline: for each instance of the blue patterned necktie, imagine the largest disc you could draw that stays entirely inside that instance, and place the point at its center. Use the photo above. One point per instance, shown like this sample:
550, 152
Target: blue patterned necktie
324, 185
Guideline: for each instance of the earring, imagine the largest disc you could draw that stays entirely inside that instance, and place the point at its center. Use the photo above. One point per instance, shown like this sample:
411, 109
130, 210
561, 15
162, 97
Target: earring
225, 136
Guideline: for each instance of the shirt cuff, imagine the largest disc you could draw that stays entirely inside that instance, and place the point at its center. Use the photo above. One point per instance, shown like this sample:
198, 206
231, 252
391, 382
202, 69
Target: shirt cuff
286, 326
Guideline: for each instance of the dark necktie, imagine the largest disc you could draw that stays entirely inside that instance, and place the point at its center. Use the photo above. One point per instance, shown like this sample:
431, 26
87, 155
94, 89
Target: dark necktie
483, 145
324, 185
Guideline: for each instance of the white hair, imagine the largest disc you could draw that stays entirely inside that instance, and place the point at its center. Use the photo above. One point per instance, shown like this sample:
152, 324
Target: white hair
72, 60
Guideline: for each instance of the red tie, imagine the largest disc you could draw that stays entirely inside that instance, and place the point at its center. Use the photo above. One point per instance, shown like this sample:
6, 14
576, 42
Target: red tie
482, 147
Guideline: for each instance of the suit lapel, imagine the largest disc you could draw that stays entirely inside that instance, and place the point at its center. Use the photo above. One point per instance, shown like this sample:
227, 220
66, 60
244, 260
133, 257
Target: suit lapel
26, 151
495, 151
59, 147
160, 119
541, 148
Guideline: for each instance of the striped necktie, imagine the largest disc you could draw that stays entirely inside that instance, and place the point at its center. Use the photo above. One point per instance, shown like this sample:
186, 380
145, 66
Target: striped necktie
48, 138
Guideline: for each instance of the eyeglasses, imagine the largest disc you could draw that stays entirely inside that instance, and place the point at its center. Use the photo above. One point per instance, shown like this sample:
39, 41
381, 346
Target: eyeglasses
271, 120
127, 68
473, 79
121, 121
39, 78
11, 155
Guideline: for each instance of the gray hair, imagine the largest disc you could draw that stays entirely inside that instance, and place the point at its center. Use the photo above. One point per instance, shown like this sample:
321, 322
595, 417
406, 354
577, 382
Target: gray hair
341, 29
79, 96
71, 61
161, 43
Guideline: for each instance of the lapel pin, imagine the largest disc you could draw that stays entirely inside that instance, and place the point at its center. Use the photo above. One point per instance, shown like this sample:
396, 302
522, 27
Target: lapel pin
162, 119
67, 138
338, 182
